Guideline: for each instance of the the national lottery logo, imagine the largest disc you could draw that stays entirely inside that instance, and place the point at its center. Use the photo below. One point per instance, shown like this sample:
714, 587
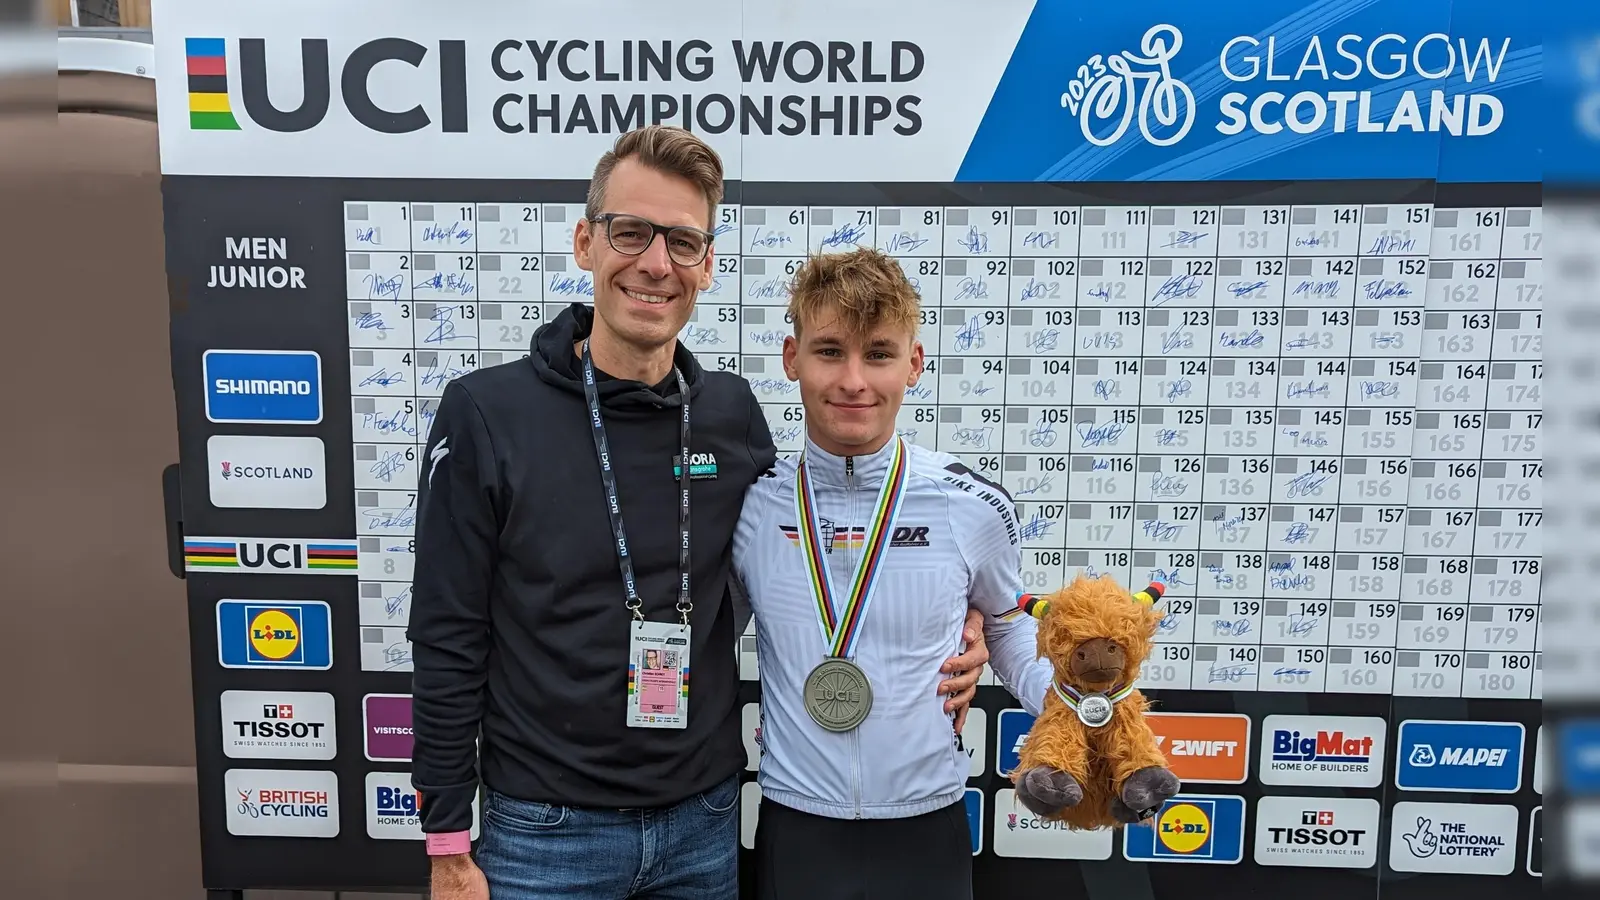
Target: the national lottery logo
1114, 88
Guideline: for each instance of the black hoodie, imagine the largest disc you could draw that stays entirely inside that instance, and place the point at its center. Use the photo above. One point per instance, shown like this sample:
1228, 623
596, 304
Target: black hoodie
518, 617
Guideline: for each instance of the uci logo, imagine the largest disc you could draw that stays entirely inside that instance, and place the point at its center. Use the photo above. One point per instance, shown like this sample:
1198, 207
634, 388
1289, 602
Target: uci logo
210, 106
1107, 90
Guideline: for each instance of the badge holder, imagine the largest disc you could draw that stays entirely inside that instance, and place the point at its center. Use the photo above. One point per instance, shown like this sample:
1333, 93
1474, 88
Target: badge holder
658, 672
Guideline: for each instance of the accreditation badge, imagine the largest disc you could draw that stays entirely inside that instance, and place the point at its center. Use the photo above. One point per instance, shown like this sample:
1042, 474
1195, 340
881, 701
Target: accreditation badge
658, 674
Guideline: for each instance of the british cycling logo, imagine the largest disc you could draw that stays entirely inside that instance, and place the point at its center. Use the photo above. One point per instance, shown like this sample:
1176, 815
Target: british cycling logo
1107, 90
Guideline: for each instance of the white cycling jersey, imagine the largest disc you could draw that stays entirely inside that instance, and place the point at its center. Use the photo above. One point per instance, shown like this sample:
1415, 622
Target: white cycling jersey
955, 544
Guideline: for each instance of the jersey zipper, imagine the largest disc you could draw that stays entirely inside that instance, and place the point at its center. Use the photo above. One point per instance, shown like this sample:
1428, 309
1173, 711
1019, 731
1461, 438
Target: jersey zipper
850, 564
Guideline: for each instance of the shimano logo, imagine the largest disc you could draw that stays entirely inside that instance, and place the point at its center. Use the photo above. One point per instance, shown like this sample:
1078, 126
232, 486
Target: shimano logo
273, 386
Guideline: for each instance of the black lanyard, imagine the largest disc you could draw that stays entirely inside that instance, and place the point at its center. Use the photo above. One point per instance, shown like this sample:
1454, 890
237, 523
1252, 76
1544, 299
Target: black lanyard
603, 451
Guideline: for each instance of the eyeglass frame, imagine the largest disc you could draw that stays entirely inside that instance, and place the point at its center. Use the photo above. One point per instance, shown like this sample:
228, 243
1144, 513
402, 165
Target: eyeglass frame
664, 230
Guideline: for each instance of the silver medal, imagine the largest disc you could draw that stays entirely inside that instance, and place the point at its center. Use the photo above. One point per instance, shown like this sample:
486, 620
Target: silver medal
838, 695
1094, 710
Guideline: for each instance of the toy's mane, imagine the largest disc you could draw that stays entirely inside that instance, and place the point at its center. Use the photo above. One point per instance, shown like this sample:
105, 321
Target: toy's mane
1097, 608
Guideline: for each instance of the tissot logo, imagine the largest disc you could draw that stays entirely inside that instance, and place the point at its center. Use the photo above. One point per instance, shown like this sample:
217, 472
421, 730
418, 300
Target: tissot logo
209, 101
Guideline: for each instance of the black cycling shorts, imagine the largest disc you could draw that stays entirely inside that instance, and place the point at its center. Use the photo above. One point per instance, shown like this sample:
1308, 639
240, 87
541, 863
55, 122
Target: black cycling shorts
800, 856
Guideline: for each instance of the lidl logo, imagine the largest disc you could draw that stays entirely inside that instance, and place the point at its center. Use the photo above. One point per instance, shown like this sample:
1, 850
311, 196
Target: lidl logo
260, 634
1469, 757
206, 60
1197, 828
271, 555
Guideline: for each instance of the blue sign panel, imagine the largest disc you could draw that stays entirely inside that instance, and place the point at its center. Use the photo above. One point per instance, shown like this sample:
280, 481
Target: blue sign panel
1579, 771
263, 387
267, 634
1013, 728
974, 800
1466, 757
1190, 828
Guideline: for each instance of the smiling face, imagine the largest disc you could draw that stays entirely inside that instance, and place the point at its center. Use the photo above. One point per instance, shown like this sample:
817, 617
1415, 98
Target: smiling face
643, 301
852, 385
854, 350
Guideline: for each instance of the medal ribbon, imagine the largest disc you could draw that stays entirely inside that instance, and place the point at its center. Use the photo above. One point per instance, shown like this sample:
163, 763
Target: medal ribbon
840, 630
1071, 696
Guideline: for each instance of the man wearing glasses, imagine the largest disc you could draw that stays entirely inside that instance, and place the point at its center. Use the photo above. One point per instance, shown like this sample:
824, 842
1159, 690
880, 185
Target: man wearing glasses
575, 519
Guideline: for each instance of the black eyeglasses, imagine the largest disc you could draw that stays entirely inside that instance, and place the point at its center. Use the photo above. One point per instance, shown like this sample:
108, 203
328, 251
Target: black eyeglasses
632, 235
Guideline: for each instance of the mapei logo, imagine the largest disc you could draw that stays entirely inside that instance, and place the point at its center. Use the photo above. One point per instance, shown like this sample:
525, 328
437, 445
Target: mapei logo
1107, 89
1470, 757
211, 98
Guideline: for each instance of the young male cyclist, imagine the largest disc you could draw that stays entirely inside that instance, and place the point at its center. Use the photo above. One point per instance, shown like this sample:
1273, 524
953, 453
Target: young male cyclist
861, 559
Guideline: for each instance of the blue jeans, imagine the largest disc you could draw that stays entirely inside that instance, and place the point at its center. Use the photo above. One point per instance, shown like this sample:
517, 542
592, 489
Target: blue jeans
533, 851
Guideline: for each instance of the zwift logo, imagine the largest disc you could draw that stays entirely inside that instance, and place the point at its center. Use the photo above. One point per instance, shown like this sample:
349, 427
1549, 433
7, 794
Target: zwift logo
1391, 80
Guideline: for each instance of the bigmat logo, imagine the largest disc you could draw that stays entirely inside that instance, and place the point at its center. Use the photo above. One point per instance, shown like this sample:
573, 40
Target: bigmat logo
393, 808
306, 556
1323, 751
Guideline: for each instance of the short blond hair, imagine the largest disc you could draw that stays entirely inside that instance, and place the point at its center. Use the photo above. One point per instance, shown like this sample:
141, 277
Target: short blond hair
864, 287
667, 149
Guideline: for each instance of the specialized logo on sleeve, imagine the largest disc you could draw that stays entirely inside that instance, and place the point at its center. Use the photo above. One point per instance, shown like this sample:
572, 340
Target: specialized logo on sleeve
1467, 757
437, 455
702, 466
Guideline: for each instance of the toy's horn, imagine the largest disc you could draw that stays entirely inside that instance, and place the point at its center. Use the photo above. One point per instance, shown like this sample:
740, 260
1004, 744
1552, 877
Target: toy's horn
1148, 597
1033, 606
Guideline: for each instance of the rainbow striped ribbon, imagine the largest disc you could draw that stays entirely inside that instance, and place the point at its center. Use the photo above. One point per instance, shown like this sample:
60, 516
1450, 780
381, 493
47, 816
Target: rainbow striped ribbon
840, 630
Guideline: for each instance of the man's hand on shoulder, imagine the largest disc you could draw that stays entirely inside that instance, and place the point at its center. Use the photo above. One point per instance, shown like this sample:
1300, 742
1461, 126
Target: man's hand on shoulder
962, 686
457, 877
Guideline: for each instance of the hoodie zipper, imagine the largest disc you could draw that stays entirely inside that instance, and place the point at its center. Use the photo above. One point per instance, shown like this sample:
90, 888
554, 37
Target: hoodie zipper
850, 564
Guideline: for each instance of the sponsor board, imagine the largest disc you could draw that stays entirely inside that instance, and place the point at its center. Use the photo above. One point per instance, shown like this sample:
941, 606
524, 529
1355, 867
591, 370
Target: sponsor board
267, 471
393, 805
1332, 832
1204, 748
386, 723
1459, 838
281, 803
1019, 833
1190, 828
278, 725
1460, 757
274, 634
1323, 751
277, 556
263, 387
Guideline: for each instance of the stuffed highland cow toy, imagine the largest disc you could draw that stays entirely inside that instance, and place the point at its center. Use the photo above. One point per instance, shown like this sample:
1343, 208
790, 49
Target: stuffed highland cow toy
1091, 761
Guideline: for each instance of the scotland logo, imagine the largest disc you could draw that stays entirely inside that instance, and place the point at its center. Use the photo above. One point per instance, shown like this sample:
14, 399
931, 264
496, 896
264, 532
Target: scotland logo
1105, 90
